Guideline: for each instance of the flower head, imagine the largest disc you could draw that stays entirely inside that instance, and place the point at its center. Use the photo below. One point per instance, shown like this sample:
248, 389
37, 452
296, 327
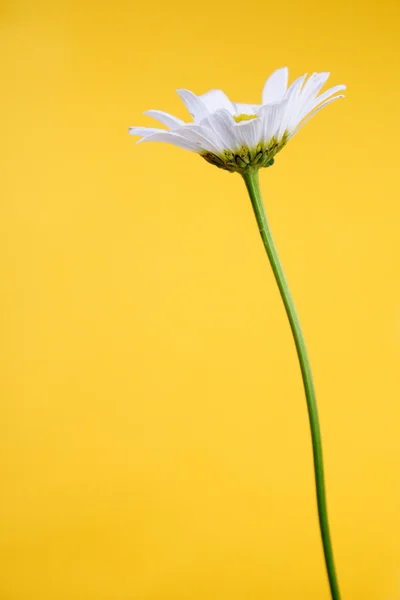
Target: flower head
239, 137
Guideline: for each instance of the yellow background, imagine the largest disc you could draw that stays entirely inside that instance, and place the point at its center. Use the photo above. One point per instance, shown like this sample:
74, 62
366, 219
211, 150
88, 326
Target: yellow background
154, 438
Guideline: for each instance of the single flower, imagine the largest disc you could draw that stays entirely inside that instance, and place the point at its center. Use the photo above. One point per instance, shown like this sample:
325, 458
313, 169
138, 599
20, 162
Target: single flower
236, 136
243, 138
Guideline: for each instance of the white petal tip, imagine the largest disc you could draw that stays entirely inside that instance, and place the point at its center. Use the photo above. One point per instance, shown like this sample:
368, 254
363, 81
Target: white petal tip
283, 69
146, 138
140, 131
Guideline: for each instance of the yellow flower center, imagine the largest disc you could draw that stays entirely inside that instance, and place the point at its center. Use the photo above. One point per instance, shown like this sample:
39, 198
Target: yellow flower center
243, 117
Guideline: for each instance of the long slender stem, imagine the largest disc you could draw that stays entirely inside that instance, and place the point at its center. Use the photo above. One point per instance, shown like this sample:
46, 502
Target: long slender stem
253, 187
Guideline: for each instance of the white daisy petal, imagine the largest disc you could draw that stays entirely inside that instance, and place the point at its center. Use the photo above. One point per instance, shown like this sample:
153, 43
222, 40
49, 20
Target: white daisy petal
297, 84
216, 100
165, 118
171, 138
271, 115
144, 130
248, 133
305, 101
328, 93
222, 124
293, 104
314, 112
311, 98
204, 138
268, 115
275, 86
313, 85
194, 104
277, 129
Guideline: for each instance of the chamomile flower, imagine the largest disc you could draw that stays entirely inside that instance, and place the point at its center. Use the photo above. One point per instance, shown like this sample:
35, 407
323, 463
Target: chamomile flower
243, 138
238, 137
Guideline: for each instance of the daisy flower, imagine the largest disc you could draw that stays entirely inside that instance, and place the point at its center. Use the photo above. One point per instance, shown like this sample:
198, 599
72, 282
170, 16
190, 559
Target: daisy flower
243, 138
238, 137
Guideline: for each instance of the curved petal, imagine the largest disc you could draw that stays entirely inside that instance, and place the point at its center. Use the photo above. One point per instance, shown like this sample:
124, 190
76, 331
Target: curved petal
296, 84
194, 104
313, 85
216, 100
249, 133
275, 86
314, 112
305, 99
271, 115
204, 138
293, 104
313, 100
170, 138
165, 118
327, 94
222, 123
144, 130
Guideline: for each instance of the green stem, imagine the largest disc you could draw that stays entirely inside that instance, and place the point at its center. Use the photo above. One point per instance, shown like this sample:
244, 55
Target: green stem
253, 187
